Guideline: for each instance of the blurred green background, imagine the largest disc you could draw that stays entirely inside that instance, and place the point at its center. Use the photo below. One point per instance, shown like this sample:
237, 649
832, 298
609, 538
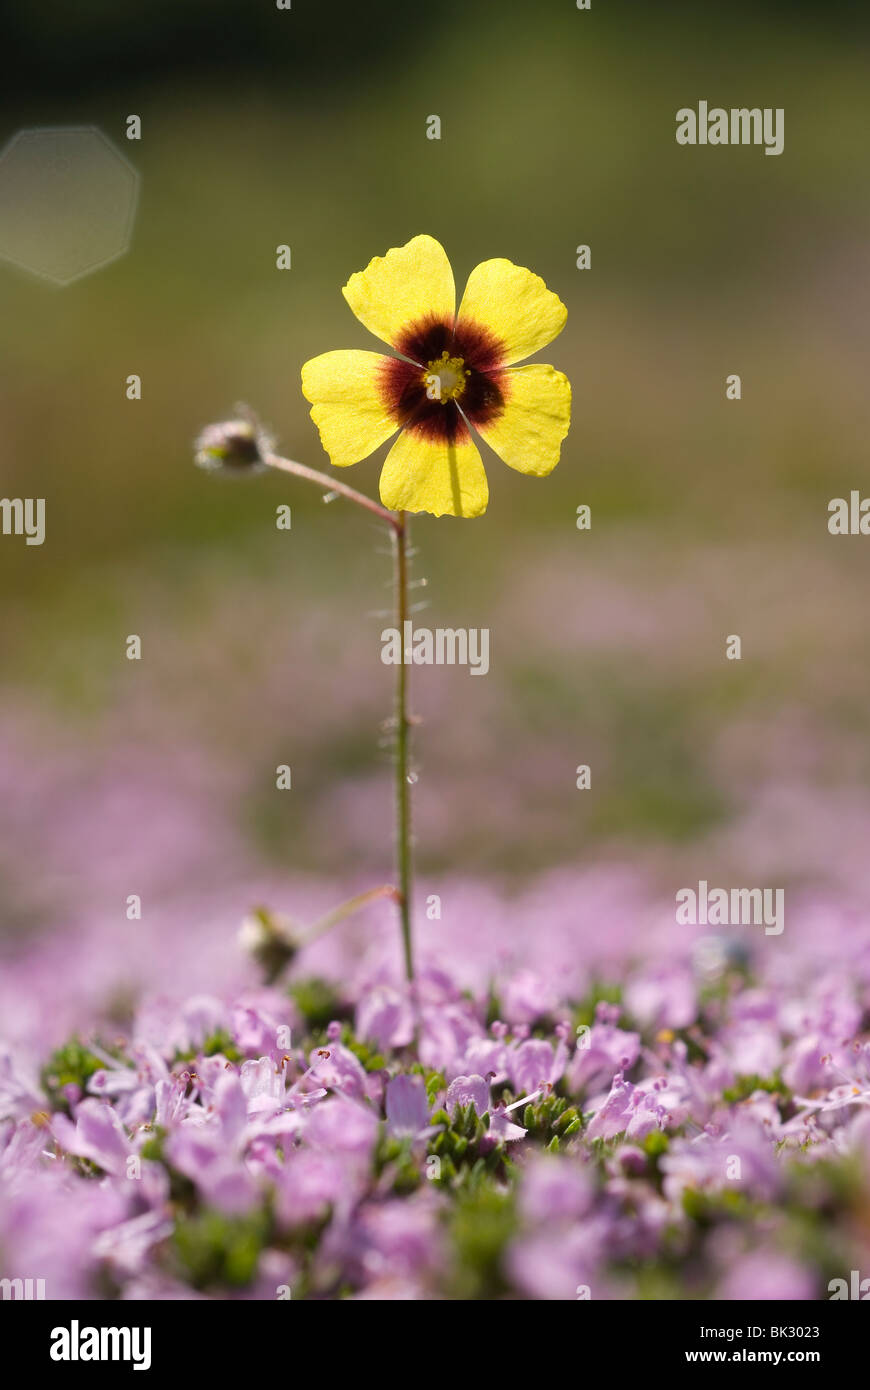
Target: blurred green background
260, 647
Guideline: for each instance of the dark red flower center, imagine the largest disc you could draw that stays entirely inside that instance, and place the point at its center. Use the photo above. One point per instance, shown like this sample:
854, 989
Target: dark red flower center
453, 373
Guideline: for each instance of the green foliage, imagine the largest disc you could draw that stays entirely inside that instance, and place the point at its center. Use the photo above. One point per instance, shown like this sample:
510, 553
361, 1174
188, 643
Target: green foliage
153, 1148
365, 1053
394, 1156
745, 1086
708, 1207
656, 1143
481, 1224
73, 1064
436, 1082
316, 1001
460, 1148
218, 1042
549, 1118
217, 1251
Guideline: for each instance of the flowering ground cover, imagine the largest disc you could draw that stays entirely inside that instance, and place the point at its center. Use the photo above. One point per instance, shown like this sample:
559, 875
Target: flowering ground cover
548, 1121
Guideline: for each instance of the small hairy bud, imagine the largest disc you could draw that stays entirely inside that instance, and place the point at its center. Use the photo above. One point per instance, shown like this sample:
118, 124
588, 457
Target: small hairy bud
271, 940
233, 446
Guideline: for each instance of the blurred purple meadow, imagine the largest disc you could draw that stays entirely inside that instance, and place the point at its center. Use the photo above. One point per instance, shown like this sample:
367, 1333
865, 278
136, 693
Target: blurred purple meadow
598, 1106
598, 1102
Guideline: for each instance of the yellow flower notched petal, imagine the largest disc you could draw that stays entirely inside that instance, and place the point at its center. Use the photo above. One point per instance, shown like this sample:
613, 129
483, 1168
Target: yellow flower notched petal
528, 432
410, 283
424, 475
514, 305
348, 405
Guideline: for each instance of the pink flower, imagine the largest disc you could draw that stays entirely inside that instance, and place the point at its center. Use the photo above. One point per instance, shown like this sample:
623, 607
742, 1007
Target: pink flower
527, 996
766, 1276
336, 1068
613, 1114
554, 1189
339, 1125
600, 1054
468, 1090
309, 1183
97, 1134
501, 1129
536, 1064
407, 1108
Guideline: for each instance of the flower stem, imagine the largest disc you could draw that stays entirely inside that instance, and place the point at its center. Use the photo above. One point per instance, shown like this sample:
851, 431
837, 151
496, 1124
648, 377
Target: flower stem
347, 909
402, 724
312, 475
398, 522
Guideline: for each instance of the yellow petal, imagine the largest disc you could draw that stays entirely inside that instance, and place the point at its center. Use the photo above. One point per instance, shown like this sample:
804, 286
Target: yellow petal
529, 430
349, 407
410, 283
432, 475
514, 305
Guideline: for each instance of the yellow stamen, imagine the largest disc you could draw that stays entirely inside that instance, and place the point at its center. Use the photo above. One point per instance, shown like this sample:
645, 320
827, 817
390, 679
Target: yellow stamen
445, 378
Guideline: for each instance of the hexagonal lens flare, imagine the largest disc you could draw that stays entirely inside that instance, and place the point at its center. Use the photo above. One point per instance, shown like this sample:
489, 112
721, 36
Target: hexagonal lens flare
67, 202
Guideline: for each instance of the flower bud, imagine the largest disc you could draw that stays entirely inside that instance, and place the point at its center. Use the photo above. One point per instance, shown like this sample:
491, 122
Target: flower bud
236, 446
271, 940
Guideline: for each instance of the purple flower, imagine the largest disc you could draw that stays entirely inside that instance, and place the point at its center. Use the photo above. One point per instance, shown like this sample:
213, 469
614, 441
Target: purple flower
385, 1017
445, 1033
556, 1266
273, 1107
181, 1029
468, 1090
339, 1125
209, 1148
501, 1129
607, 1051
97, 1135
257, 1019
751, 1047
554, 1189
126, 1248
336, 1068
20, 1094
743, 1159
50, 1222
407, 1107
527, 996
399, 1239
485, 1057
536, 1064
663, 997
309, 1184
766, 1276
613, 1114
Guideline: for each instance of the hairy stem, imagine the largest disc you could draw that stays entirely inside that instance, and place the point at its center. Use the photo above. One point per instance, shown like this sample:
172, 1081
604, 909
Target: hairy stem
347, 909
402, 725
398, 523
312, 475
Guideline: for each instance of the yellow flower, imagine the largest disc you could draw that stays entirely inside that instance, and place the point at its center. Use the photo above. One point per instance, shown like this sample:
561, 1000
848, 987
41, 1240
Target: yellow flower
453, 371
